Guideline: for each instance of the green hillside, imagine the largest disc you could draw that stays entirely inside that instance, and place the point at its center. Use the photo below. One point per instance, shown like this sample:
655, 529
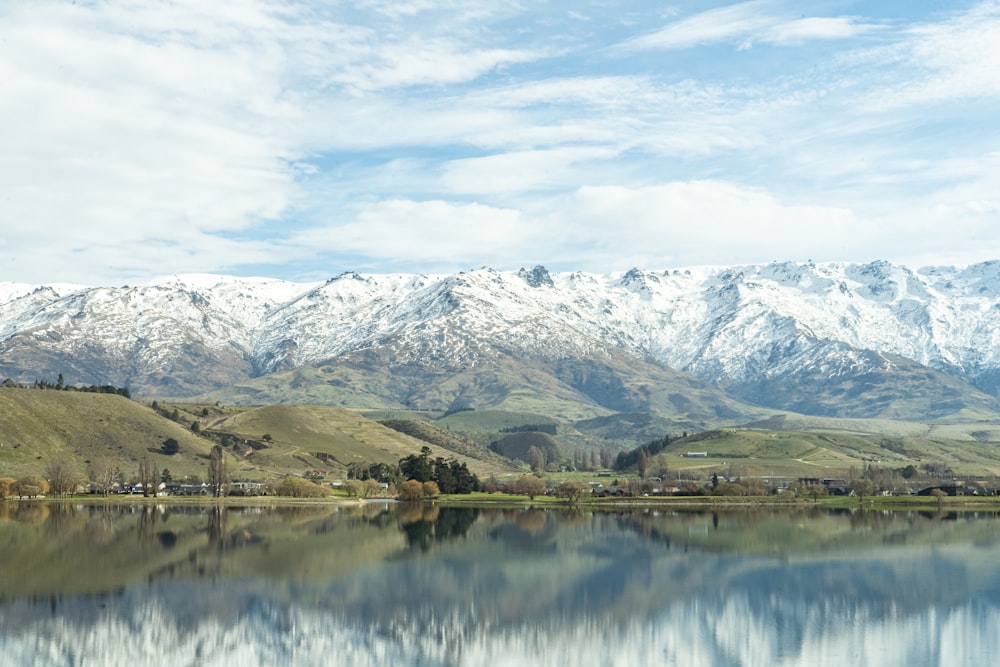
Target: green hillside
833, 448
37, 426
442, 437
568, 390
328, 439
518, 445
40, 426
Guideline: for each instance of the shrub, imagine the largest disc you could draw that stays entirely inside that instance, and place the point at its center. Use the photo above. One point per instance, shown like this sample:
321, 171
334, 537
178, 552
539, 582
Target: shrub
298, 487
31, 486
411, 489
572, 490
530, 485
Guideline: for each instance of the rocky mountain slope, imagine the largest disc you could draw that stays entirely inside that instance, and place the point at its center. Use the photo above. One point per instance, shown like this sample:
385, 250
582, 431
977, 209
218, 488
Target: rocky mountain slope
831, 339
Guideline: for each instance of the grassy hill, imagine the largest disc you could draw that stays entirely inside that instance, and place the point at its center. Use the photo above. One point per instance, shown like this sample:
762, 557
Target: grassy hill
329, 439
517, 446
569, 390
819, 447
37, 426
442, 437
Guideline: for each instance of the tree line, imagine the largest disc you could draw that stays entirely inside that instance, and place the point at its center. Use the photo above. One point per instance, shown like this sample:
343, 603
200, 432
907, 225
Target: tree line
60, 385
416, 476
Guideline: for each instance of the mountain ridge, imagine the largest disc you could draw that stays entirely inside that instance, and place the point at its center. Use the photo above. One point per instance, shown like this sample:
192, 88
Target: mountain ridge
763, 333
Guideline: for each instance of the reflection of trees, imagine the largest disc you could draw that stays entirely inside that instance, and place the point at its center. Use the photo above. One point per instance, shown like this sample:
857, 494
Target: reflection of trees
62, 519
532, 521
302, 513
217, 521
30, 512
423, 524
147, 524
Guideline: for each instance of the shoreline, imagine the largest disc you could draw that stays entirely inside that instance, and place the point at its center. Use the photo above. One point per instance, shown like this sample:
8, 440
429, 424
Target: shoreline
895, 503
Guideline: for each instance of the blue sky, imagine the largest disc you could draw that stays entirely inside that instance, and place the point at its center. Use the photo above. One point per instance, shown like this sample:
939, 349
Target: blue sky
302, 139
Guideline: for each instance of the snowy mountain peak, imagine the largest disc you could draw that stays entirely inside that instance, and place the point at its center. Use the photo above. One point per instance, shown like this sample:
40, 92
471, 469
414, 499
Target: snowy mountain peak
734, 327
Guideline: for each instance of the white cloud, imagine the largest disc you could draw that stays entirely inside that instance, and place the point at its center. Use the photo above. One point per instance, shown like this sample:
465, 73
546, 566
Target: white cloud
196, 136
426, 62
803, 30
955, 59
707, 222
519, 171
714, 25
429, 232
746, 23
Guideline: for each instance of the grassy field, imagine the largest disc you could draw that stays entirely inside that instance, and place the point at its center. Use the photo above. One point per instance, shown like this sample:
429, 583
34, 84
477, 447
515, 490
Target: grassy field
40, 426
328, 439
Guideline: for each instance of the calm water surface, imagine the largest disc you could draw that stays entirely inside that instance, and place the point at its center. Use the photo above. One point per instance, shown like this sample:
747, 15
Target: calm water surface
386, 584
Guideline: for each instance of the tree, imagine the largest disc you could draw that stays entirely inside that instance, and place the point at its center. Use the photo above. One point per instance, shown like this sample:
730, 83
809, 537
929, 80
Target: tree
572, 490
148, 476
723, 488
372, 487
816, 490
939, 495
196, 426
530, 485
6, 487
416, 467
536, 458
443, 476
355, 488
607, 458
31, 486
431, 489
170, 446
166, 477
62, 477
642, 463
411, 489
217, 471
103, 473
862, 488
297, 487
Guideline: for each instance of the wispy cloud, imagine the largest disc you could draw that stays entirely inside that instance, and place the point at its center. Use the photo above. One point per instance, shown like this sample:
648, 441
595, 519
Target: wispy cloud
148, 137
745, 23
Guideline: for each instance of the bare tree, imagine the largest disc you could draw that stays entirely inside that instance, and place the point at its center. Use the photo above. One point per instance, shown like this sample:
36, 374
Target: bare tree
572, 490
530, 486
62, 477
642, 463
104, 473
536, 458
217, 473
149, 476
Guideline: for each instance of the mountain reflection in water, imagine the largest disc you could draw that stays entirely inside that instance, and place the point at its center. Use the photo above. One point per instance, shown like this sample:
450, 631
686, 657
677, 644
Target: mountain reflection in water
430, 585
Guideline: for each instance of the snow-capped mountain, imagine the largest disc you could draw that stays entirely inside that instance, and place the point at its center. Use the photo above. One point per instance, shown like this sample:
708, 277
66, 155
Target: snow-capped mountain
833, 338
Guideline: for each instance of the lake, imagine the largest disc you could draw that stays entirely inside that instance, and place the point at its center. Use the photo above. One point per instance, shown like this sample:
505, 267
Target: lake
388, 584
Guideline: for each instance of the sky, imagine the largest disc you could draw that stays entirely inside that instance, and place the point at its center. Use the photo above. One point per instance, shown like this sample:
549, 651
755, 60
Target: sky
299, 140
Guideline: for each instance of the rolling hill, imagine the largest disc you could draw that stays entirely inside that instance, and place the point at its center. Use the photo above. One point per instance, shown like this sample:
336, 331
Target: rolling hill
39, 426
